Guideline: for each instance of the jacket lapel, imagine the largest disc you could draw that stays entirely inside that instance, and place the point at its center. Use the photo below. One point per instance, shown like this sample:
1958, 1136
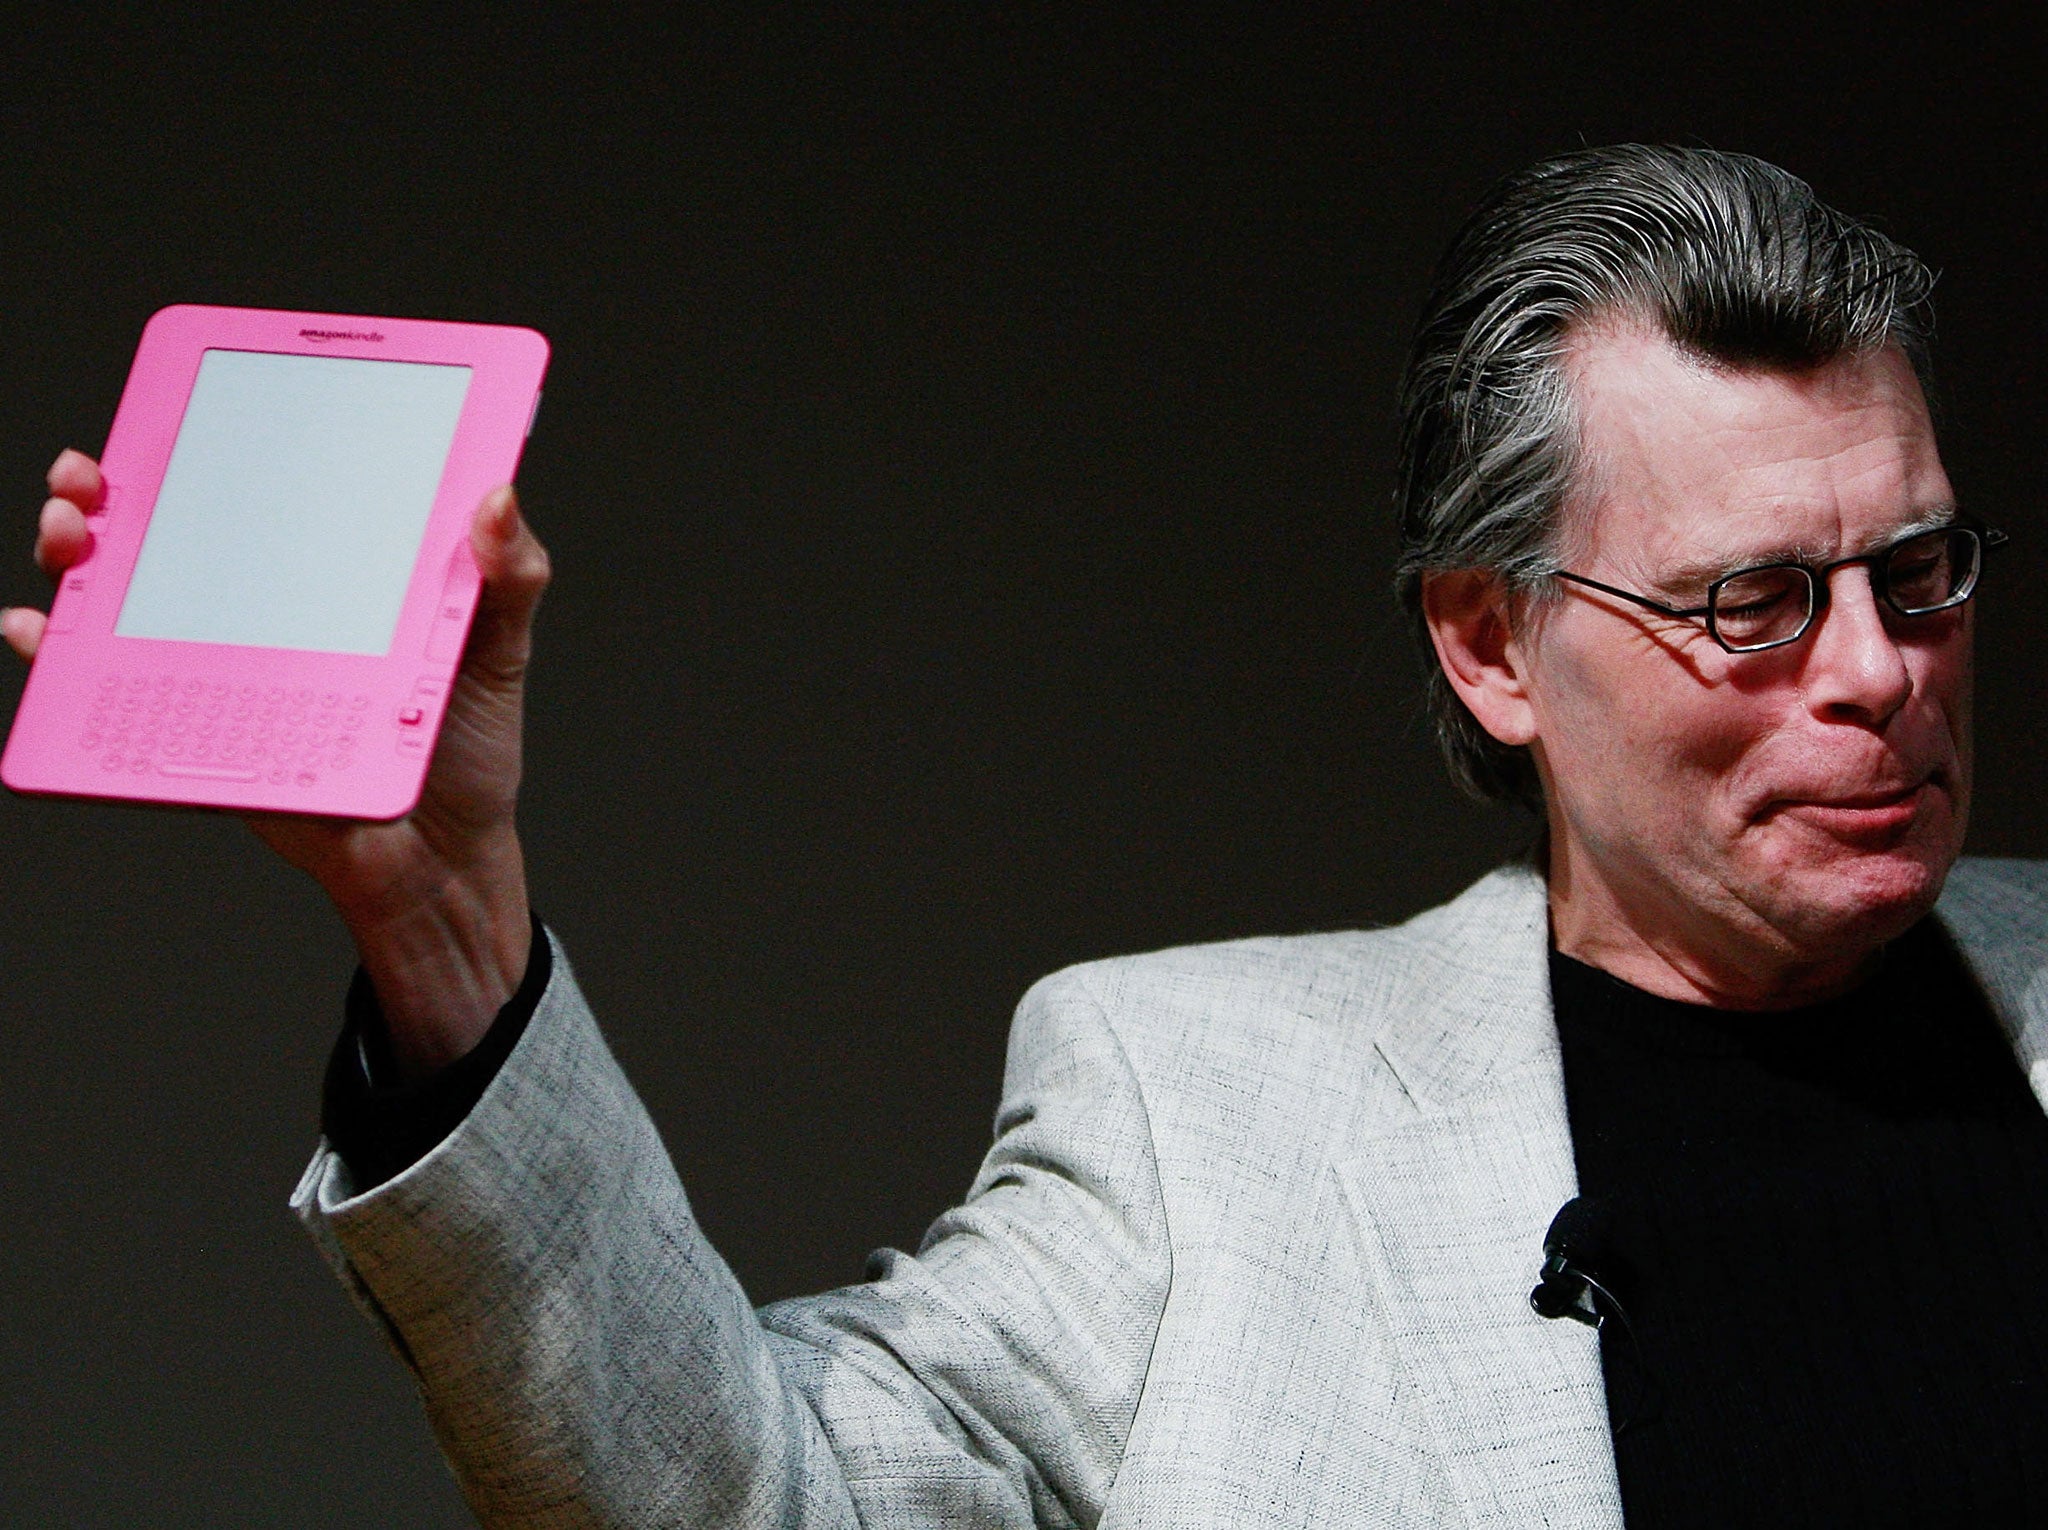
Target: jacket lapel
1994, 912
1452, 1206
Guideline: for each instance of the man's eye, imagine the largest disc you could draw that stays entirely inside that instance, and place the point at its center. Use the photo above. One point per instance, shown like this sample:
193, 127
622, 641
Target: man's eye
1756, 605
1756, 593
1762, 606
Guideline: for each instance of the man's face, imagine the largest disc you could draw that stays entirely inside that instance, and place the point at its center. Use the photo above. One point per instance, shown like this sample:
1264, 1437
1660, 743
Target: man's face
1755, 824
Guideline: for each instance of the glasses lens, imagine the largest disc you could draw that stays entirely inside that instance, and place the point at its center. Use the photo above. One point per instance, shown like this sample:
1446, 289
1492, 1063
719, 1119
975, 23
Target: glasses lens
1932, 570
1761, 607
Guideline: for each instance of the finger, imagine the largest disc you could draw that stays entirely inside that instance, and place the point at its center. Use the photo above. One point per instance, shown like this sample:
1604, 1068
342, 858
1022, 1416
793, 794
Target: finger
61, 536
515, 571
76, 477
22, 627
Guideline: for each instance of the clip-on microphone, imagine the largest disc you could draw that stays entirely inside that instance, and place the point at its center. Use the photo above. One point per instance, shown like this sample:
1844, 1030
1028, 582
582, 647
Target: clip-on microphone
1569, 1285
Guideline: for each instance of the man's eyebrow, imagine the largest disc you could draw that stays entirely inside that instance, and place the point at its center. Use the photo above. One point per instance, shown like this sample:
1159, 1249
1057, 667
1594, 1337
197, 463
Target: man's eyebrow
1693, 575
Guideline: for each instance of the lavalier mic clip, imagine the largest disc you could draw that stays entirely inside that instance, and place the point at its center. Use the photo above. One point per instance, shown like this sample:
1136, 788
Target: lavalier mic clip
1571, 1285
1567, 1285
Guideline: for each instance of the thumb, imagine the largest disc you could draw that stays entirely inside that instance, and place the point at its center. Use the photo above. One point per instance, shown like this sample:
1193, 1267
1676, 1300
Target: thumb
22, 628
515, 571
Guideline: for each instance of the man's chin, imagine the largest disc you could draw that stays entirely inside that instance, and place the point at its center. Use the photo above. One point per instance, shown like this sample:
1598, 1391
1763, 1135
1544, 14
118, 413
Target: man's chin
1849, 900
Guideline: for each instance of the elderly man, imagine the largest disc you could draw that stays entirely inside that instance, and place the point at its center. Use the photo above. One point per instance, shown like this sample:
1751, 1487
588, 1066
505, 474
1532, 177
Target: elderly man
1255, 1242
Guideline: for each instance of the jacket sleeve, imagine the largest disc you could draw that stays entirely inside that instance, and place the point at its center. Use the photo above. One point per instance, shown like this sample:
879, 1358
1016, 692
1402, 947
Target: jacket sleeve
587, 1359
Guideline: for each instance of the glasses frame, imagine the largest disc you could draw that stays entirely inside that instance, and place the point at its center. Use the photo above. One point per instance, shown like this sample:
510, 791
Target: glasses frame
1986, 539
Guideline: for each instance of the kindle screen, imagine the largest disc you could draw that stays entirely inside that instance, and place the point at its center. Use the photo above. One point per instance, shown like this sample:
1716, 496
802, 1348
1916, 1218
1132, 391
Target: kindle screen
292, 510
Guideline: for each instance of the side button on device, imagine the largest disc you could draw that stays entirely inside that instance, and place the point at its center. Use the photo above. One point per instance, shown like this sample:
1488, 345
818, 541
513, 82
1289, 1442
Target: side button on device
451, 613
69, 605
70, 602
426, 700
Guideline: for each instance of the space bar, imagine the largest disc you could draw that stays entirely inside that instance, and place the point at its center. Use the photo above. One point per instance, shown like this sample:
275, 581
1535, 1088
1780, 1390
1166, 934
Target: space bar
212, 772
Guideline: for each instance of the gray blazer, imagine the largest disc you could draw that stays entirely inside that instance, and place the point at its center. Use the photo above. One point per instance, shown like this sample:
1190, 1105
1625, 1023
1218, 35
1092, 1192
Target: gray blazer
1253, 1247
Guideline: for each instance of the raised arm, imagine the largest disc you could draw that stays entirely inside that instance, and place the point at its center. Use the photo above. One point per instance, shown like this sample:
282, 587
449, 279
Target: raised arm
585, 1355
436, 902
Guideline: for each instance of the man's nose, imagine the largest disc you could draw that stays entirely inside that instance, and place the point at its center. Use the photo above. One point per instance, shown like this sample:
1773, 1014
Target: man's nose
1855, 668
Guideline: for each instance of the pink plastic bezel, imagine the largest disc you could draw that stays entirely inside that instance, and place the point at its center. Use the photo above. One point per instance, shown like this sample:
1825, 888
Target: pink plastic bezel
383, 778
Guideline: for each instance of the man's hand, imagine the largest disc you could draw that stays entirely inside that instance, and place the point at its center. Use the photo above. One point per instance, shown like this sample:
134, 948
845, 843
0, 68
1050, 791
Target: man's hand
437, 900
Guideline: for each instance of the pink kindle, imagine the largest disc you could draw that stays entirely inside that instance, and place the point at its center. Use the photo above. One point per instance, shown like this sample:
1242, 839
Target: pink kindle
279, 581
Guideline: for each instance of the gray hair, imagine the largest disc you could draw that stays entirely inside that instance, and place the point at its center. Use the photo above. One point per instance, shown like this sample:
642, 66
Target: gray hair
1733, 259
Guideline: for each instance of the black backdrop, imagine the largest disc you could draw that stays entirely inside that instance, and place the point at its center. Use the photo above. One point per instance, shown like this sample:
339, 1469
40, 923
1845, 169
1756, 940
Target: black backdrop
966, 459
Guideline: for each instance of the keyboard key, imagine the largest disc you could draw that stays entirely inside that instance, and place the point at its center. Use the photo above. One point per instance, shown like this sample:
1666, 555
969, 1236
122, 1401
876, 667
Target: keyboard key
212, 772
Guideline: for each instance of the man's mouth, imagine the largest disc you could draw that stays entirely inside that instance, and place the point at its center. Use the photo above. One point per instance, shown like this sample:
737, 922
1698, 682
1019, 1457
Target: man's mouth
1872, 813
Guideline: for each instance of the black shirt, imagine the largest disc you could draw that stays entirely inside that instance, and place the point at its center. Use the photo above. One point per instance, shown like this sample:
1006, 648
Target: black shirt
1829, 1229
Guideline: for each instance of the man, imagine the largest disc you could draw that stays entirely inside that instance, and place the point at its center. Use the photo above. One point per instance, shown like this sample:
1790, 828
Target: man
1255, 1242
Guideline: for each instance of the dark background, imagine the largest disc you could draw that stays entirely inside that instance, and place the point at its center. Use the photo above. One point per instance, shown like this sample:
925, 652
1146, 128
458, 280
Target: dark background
967, 460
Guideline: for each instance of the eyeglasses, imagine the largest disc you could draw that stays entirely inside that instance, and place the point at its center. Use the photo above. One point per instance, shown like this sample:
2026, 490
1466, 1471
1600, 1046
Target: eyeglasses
1773, 604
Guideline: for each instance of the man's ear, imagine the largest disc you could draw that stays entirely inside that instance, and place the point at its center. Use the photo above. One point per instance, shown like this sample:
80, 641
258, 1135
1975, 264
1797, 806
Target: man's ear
1468, 615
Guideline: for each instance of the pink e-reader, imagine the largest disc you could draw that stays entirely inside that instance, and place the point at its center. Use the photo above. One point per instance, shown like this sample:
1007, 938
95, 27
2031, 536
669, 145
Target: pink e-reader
279, 582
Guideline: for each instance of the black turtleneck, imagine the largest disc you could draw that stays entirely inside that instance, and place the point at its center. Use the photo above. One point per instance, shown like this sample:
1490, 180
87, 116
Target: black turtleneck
1829, 1229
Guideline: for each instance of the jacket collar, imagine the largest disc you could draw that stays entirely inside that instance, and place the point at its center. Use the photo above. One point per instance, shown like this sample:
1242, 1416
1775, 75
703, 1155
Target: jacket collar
1472, 1004
1997, 914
